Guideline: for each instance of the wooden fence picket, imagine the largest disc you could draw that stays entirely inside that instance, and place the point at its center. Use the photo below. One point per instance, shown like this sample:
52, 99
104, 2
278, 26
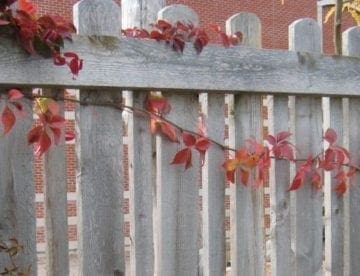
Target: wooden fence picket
351, 40
213, 189
55, 203
246, 209
304, 35
140, 13
99, 151
17, 196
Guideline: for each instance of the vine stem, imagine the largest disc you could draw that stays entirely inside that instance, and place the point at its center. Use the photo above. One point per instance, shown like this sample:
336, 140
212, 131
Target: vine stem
142, 111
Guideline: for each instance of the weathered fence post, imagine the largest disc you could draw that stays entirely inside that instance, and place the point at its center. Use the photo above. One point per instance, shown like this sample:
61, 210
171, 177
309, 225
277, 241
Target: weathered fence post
17, 195
351, 40
140, 13
304, 36
177, 190
55, 202
246, 209
99, 150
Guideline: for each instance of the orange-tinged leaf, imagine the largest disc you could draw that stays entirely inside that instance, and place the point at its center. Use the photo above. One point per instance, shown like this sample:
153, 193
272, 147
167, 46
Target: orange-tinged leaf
330, 136
183, 157
244, 176
15, 94
154, 123
8, 119
27, 6
188, 139
169, 131
241, 154
316, 180
341, 188
230, 164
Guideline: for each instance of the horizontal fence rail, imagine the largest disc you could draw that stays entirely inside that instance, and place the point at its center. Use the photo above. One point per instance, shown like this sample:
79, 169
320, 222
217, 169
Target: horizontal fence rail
179, 218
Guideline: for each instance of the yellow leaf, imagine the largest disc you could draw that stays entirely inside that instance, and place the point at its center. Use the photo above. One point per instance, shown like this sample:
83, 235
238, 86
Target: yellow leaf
329, 14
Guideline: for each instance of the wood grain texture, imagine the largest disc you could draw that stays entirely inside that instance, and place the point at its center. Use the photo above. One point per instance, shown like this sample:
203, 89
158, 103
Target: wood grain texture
246, 208
136, 64
333, 204
55, 194
177, 198
351, 39
281, 252
179, 12
17, 195
304, 35
141, 192
140, 13
213, 189
99, 153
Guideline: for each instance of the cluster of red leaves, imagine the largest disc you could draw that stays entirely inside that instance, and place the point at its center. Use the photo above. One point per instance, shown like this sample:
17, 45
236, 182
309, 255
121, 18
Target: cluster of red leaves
252, 157
50, 126
184, 156
40, 35
176, 35
13, 108
158, 107
227, 40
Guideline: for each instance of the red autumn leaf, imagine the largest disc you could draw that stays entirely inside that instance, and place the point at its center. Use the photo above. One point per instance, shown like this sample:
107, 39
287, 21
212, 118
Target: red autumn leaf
188, 139
15, 94
341, 188
69, 136
183, 157
202, 144
8, 119
43, 143
57, 135
34, 135
283, 135
55, 121
27, 6
330, 136
351, 172
163, 25
297, 181
169, 131
230, 176
157, 104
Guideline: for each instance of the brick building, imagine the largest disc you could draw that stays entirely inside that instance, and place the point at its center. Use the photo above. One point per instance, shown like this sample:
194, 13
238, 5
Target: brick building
275, 18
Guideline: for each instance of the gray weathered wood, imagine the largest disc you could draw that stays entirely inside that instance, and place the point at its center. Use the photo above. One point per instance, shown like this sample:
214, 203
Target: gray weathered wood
215, 69
17, 195
281, 253
213, 189
179, 12
141, 192
140, 13
55, 194
334, 211
99, 152
246, 214
351, 39
304, 35
177, 198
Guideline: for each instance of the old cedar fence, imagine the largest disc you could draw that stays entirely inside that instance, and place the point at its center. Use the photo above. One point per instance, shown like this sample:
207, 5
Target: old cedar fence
165, 217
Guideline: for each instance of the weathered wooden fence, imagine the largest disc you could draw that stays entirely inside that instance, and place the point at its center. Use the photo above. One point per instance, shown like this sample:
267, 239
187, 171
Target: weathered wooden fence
168, 230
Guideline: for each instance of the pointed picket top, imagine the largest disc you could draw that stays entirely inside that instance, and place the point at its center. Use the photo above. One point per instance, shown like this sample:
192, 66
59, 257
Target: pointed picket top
351, 42
249, 25
97, 17
305, 35
140, 13
179, 12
